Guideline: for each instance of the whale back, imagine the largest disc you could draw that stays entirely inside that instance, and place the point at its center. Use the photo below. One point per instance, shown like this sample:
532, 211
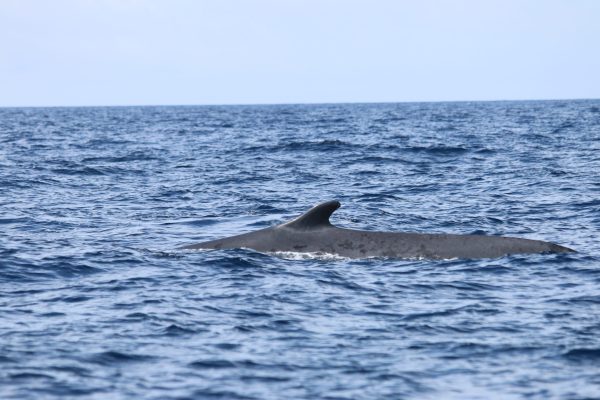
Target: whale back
312, 232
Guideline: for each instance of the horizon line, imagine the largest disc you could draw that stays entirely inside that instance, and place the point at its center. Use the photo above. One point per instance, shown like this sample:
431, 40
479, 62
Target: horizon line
300, 103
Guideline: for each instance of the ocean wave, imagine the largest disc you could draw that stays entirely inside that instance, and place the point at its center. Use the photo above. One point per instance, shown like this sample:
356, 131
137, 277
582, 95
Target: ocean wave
96, 300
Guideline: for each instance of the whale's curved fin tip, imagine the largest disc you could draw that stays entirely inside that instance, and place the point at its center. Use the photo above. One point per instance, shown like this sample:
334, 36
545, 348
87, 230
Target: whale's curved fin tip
316, 217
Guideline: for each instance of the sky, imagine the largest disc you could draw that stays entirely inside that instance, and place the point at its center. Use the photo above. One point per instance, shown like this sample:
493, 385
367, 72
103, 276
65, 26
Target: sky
172, 52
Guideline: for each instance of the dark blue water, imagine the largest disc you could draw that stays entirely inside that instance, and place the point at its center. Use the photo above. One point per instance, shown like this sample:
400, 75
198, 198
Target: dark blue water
96, 302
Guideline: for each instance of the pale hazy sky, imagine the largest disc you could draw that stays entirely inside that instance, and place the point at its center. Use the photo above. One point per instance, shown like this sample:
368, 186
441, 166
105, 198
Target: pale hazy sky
126, 52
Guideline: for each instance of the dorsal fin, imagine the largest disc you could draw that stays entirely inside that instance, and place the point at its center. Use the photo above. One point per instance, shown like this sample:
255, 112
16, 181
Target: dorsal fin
316, 217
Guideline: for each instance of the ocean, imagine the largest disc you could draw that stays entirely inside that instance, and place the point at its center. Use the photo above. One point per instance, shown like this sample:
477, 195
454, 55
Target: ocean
97, 302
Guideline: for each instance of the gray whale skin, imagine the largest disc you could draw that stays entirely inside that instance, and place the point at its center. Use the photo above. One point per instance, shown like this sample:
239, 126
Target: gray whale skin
313, 233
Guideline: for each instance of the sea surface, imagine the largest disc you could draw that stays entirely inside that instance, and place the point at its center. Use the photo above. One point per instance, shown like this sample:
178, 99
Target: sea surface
97, 302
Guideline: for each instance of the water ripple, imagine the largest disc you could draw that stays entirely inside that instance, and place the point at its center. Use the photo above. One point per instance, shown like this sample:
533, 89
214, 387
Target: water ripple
97, 302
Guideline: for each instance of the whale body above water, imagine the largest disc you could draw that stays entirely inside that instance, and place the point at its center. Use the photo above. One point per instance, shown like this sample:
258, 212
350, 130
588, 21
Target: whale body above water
313, 233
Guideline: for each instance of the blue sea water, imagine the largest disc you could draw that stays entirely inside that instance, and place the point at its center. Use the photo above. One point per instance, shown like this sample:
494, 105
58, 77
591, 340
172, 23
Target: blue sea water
96, 301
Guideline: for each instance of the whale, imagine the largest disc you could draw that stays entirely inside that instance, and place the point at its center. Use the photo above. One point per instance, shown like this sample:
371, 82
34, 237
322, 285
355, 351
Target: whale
312, 232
